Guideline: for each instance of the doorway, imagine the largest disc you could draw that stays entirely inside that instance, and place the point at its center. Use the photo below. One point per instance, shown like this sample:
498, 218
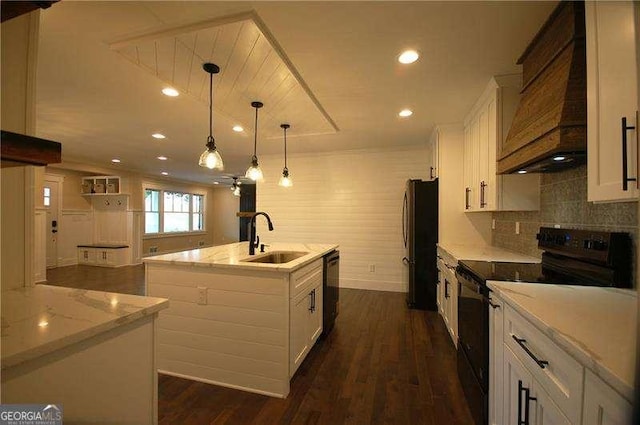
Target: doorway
51, 201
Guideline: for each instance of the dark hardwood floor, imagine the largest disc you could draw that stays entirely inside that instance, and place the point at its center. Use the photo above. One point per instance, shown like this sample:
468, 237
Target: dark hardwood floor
382, 364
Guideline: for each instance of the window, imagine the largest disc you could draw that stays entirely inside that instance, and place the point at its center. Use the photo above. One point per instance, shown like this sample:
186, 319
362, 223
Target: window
47, 196
172, 212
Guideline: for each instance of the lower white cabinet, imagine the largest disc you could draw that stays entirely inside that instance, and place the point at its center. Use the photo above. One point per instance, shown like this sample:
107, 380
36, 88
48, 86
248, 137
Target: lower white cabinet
535, 382
305, 313
448, 293
103, 256
525, 400
603, 405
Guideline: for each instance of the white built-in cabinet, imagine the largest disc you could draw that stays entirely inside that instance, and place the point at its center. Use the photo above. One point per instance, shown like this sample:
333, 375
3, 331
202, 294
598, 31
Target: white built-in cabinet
534, 381
433, 158
447, 292
103, 256
485, 129
101, 185
305, 312
612, 96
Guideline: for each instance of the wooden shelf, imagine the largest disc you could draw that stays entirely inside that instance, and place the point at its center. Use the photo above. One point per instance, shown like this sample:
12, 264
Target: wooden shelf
28, 149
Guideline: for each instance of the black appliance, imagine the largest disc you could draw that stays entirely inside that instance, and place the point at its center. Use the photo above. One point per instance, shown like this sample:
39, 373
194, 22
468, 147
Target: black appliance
420, 236
330, 292
570, 257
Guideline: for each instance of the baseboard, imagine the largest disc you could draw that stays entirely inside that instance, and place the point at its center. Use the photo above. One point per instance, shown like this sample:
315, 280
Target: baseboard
222, 384
372, 285
67, 262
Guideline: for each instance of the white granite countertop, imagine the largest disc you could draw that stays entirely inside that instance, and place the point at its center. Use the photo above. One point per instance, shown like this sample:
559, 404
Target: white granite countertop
43, 319
234, 256
486, 253
597, 326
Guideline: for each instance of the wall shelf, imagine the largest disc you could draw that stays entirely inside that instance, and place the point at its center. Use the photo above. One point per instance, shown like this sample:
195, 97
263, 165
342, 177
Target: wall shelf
101, 186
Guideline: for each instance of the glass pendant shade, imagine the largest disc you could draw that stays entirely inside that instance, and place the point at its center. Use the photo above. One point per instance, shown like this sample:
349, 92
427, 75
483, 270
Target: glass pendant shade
254, 172
235, 187
236, 191
211, 157
285, 180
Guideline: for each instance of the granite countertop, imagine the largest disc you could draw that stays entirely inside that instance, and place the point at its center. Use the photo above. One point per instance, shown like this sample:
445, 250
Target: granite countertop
486, 253
597, 326
233, 256
42, 319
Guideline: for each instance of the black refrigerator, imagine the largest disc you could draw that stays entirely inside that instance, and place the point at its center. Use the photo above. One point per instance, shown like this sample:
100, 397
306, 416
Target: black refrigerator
420, 236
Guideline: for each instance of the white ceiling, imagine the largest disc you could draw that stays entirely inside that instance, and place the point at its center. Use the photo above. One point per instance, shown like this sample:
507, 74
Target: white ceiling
327, 68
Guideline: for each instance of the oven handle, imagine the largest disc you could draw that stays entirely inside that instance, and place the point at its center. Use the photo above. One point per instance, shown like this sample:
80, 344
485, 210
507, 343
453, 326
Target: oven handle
522, 343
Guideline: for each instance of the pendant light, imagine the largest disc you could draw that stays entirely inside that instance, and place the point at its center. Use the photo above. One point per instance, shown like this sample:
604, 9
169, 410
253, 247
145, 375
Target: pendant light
235, 187
254, 172
285, 180
211, 158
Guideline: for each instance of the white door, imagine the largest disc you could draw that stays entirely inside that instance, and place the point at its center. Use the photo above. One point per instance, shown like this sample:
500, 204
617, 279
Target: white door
51, 203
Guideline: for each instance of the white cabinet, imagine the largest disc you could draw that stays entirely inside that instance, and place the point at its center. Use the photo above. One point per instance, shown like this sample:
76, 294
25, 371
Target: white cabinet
612, 95
603, 405
105, 256
485, 129
305, 312
496, 359
433, 159
448, 293
101, 185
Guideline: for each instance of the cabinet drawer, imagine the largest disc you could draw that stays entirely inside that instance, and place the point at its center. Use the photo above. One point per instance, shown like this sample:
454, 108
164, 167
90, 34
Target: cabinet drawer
556, 371
308, 276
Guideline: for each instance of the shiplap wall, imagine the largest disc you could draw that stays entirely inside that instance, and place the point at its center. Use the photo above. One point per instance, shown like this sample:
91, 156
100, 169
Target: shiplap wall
352, 198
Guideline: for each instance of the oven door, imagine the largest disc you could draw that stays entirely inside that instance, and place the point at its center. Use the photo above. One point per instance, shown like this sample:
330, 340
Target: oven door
473, 326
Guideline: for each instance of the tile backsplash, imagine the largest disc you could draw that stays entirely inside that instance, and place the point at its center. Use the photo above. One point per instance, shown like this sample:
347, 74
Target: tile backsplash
563, 201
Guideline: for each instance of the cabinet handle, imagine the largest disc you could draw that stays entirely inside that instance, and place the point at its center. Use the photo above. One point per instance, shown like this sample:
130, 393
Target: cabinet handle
446, 288
522, 343
522, 390
431, 172
637, 152
482, 202
311, 301
625, 172
494, 306
466, 198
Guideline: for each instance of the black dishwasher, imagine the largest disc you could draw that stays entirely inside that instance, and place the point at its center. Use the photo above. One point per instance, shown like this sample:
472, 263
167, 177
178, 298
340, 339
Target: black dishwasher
330, 281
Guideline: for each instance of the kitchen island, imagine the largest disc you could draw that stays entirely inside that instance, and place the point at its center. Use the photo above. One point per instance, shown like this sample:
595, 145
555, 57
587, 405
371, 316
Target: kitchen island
241, 324
66, 346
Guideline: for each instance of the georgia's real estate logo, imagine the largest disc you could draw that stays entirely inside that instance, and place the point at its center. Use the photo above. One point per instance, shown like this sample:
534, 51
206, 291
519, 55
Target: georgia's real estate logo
30, 414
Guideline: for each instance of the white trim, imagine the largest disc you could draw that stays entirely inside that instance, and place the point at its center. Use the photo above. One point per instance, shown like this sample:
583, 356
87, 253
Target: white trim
373, 285
76, 212
171, 251
146, 236
29, 225
223, 384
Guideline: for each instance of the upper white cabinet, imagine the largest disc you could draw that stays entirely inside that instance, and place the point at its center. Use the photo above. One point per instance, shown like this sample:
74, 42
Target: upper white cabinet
101, 185
612, 97
433, 161
485, 129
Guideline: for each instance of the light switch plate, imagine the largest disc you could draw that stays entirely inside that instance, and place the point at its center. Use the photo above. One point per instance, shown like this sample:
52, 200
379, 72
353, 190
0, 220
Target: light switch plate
517, 227
202, 295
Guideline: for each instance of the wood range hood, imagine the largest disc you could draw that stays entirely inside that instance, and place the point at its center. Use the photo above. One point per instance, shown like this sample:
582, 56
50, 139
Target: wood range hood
549, 129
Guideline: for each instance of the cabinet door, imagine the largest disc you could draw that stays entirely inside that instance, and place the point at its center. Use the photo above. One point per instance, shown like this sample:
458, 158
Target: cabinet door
315, 315
496, 360
546, 411
483, 157
299, 338
611, 96
433, 158
469, 169
440, 289
603, 405
515, 380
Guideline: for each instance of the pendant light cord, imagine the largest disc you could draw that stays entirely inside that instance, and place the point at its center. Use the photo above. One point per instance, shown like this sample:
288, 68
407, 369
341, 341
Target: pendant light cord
285, 148
255, 135
211, 105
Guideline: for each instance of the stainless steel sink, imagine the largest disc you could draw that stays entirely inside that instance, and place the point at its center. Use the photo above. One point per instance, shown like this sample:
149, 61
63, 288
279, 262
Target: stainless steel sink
276, 257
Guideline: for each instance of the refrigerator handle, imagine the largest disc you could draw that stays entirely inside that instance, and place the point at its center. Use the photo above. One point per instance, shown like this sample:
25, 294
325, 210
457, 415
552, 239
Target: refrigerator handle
405, 260
404, 220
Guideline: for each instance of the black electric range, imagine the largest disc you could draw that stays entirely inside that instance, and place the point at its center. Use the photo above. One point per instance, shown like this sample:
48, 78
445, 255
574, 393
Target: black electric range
570, 257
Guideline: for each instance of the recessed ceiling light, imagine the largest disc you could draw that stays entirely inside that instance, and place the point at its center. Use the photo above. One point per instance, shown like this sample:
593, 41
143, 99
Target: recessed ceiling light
238, 128
162, 158
559, 158
405, 113
164, 173
170, 91
408, 56
115, 160
158, 136
522, 171
216, 182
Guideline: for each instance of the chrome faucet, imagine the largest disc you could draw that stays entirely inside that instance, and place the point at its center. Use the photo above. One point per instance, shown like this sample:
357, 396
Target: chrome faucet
252, 243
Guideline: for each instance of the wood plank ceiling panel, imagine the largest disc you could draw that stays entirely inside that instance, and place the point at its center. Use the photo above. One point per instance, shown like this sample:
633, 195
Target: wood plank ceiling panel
250, 69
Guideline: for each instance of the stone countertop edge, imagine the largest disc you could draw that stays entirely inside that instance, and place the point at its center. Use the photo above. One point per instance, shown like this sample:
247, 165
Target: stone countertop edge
36, 350
237, 262
486, 253
586, 355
